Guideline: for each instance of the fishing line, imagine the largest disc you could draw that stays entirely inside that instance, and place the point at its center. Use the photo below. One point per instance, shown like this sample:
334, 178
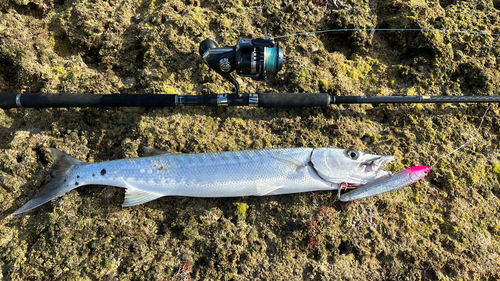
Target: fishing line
471, 138
400, 179
408, 29
387, 29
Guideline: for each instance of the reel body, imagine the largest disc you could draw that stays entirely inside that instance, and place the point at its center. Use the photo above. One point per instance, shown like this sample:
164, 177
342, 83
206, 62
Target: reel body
250, 58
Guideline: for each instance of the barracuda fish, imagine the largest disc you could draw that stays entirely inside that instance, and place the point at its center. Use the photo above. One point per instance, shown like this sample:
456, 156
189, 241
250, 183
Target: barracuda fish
219, 174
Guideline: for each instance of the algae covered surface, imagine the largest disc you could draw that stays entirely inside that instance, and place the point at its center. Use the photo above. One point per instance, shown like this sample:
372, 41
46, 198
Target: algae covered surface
445, 227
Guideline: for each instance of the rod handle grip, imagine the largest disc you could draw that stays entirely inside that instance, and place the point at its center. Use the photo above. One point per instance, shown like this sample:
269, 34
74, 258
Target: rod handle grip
7, 100
41, 100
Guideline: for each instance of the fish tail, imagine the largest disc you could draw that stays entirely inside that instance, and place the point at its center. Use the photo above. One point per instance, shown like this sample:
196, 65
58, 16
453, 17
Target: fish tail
64, 165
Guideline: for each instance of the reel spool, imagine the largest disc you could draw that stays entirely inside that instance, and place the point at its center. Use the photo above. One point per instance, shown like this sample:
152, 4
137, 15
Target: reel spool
250, 58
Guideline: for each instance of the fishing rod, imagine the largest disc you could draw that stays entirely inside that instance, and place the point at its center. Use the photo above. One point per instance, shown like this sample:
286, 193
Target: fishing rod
252, 58
265, 100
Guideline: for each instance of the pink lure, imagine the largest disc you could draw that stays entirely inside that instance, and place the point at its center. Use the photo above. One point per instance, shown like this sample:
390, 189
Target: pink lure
383, 185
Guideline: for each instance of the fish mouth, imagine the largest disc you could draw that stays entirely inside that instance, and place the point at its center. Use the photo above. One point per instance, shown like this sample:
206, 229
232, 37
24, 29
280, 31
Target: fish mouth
377, 163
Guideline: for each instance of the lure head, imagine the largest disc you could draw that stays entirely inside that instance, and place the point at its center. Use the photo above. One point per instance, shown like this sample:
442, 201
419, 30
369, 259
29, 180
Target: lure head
348, 166
418, 172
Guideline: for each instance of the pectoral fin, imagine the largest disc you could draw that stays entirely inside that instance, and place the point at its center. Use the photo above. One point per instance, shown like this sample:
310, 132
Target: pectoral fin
135, 196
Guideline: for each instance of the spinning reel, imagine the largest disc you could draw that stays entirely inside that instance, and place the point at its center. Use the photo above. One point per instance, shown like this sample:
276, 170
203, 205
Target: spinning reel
250, 58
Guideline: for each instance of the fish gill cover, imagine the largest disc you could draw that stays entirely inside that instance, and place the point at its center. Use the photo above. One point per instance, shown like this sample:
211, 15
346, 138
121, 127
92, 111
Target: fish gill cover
444, 227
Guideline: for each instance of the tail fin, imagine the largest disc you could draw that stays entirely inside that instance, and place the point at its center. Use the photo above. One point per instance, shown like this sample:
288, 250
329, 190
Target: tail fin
58, 185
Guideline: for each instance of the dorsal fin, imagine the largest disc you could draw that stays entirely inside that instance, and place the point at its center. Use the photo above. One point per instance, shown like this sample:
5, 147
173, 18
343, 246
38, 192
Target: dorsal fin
63, 162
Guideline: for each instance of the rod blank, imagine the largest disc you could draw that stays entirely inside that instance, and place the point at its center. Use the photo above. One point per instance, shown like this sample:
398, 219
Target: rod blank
415, 99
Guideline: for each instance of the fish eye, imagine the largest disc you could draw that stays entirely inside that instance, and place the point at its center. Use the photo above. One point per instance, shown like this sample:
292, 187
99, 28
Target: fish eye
353, 154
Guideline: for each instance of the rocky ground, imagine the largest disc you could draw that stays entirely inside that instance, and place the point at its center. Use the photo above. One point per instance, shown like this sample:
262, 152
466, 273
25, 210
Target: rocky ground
445, 227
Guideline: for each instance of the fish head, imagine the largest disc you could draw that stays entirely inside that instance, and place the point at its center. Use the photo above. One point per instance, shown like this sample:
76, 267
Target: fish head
348, 166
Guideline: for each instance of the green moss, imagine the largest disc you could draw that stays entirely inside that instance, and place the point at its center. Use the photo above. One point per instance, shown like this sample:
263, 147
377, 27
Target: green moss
324, 85
496, 168
357, 70
241, 211
169, 91
197, 17
59, 70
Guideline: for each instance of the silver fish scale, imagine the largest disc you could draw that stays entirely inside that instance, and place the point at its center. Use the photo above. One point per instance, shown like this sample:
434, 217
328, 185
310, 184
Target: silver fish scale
221, 174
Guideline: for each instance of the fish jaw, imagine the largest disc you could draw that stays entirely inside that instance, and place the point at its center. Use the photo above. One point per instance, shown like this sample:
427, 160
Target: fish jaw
372, 167
348, 166
378, 162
